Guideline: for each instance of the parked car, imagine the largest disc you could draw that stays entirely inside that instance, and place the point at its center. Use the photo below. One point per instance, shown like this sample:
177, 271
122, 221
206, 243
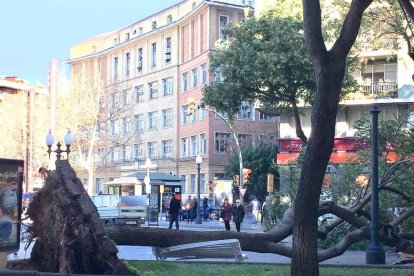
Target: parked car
213, 214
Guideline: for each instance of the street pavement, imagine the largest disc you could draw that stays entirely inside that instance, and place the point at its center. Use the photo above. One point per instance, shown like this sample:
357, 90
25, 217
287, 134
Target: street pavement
349, 258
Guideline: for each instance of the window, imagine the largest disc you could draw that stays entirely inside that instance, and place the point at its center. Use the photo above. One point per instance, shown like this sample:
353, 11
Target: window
152, 150
264, 117
127, 64
202, 112
168, 49
222, 26
194, 77
153, 90
246, 111
135, 152
153, 55
139, 60
124, 98
124, 126
100, 129
167, 118
127, 36
139, 94
154, 25
224, 114
167, 149
203, 70
139, 123
193, 145
221, 141
138, 151
203, 144
112, 127
115, 68
111, 155
152, 120
140, 31
99, 185
184, 82
169, 19
167, 86
101, 156
218, 77
183, 147
245, 140
183, 184
184, 117
123, 153
193, 183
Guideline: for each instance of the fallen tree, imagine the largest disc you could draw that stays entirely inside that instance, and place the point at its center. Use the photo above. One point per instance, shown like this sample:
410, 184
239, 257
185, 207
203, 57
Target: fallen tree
270, 242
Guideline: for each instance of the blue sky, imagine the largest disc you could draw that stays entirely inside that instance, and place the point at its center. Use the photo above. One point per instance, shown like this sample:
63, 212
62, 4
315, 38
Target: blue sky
35, 31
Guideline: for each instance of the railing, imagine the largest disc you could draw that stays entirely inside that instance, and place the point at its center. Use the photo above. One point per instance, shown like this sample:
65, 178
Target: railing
380, 89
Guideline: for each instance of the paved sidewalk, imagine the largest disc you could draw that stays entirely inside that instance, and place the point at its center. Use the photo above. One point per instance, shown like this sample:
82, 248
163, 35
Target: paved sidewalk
349, 258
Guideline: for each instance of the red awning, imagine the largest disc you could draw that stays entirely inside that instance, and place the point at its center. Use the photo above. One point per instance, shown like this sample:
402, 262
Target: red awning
336, 157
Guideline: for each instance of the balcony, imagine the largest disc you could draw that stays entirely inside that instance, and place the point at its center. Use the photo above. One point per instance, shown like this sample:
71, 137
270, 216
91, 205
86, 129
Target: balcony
377, 90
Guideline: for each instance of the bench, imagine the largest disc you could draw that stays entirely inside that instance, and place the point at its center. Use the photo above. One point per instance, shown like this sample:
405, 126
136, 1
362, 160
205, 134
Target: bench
227, 249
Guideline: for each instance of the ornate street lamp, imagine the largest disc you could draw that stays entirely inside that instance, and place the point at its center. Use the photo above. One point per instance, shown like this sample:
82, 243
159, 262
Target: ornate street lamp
375, 253
198, 162
68, 140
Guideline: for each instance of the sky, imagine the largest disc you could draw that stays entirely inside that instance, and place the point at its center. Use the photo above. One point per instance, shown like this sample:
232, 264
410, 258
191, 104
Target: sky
35, 31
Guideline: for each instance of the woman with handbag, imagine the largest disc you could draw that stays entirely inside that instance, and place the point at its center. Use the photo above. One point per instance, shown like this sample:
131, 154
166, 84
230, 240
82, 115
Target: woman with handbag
226, 213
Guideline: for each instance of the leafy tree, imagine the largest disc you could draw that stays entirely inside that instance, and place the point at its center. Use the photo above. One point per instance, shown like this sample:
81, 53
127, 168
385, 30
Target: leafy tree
265, 62
260, 159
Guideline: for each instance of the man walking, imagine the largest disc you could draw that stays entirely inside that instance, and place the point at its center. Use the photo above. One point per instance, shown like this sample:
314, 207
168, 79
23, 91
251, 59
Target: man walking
238, 214
174, 211
205, 207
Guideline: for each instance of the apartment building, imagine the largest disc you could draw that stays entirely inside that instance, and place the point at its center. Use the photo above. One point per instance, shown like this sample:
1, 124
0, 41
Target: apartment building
24, 109
385, 81
151, 68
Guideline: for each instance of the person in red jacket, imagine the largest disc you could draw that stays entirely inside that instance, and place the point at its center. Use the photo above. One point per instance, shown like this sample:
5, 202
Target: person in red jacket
226, 213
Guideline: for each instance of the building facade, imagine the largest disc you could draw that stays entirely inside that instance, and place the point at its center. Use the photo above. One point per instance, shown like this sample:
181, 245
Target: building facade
150, 69
385, 81
24, 109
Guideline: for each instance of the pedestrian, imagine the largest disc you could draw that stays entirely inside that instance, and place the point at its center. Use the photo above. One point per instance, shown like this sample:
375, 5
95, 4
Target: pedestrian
194, 209
188, 205
226, 213
205, 207
255, 209
174, 211
238, 214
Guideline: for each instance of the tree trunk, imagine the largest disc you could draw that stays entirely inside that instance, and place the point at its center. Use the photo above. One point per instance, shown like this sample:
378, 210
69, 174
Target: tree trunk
70, 236
329, 68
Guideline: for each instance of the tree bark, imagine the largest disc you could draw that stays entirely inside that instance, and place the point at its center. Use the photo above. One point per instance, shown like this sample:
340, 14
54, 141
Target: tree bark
329, 68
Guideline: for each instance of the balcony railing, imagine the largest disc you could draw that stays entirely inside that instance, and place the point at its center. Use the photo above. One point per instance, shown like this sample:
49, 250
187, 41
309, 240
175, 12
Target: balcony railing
380, 89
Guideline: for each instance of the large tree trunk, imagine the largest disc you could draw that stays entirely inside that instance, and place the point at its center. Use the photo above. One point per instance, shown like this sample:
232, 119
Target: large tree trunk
70, 236
329, 68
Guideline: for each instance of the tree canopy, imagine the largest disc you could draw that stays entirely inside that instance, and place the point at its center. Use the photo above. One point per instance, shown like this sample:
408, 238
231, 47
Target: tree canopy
266, 63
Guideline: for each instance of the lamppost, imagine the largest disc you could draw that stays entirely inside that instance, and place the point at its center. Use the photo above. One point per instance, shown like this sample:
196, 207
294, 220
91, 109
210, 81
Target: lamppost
198, 162
375, 253
68, 140
147, 182
147, 179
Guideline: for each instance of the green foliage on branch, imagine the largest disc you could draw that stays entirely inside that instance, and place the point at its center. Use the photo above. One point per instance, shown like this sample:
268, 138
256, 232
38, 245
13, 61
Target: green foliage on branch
266, 61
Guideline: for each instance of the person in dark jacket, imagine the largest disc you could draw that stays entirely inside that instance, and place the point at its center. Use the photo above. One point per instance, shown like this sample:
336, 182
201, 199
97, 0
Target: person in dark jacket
238, 214
226, 213
205, 207
174, 211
